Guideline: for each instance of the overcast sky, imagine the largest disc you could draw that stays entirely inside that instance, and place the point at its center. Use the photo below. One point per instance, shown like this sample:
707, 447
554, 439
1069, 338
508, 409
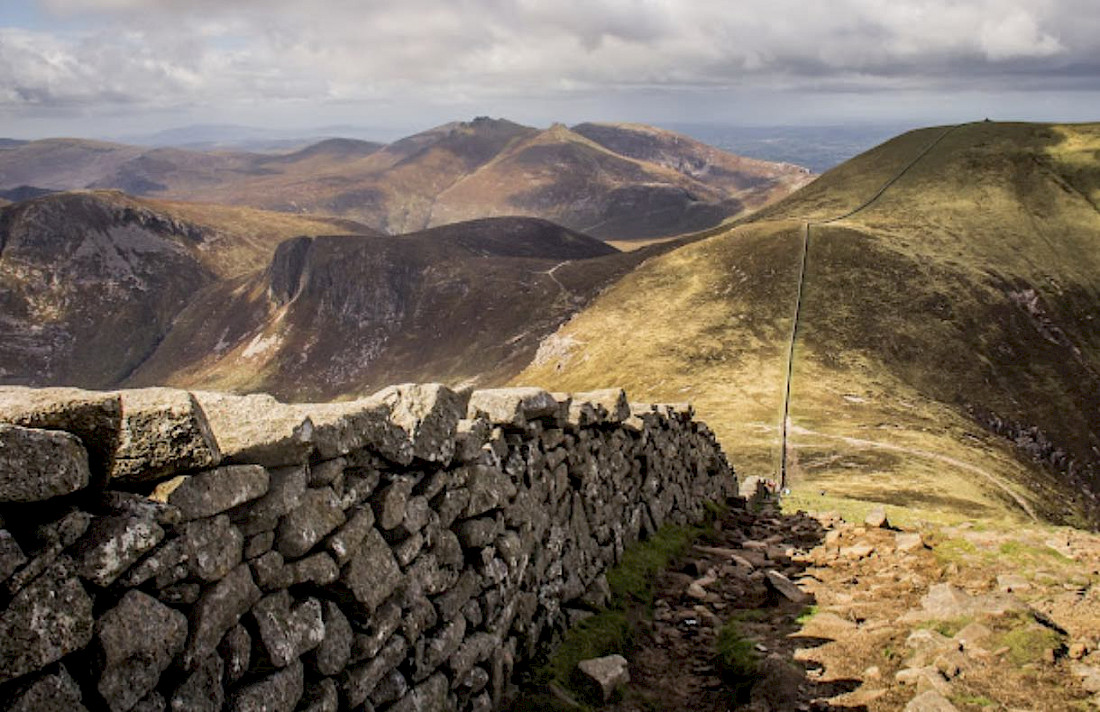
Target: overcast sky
118, 67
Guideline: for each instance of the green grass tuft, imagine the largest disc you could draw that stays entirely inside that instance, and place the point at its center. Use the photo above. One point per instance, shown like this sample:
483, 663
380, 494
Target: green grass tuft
614, 629
736, 660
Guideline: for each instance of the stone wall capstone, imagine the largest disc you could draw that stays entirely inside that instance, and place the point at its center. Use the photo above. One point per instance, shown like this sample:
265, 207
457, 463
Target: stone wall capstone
170, 550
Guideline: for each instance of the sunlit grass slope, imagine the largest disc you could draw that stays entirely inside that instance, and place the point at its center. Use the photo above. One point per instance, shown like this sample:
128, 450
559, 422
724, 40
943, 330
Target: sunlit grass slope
947, 357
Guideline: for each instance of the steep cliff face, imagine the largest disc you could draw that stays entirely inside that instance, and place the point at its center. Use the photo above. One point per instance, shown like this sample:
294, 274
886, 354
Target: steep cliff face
79, 276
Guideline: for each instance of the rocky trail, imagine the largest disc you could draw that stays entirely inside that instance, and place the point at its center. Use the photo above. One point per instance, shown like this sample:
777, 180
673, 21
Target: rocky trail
813, 612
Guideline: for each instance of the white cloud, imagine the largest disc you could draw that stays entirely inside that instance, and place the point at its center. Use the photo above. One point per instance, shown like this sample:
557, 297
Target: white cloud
1017, 35
196, 52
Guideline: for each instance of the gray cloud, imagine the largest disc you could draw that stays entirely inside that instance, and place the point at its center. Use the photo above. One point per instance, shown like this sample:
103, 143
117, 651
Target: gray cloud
194, 53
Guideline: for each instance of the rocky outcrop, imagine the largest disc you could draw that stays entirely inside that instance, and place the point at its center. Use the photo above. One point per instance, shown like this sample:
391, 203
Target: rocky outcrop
161, 549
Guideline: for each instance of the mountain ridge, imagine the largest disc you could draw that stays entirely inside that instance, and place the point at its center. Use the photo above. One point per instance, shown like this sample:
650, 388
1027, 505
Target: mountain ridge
449, 173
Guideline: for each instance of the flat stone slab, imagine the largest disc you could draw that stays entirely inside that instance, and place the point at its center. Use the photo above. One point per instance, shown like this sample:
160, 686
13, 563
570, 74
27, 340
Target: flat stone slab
429, 415
930, 701
786, 588
513, 407
945, 601
164, 431
342, 428
257, 429
610, 405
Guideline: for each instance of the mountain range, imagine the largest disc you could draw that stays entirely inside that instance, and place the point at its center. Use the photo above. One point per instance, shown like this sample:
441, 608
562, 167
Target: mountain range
612, 181
941, 290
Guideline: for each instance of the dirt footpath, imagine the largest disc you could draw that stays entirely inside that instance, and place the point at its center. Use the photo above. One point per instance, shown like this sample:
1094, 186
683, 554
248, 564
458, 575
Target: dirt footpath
815, 613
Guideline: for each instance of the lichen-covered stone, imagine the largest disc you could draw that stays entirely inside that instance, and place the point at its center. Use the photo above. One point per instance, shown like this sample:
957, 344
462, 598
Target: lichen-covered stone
318, 569
271, 572
285, 488
317, 514
606, 674
322, 696
611, 405
36, 465
431, 694
163, 431
11, 555
213, 547
439, 648
258, 429
236, 650
359, 681
383, 624
512, 407
203, 689
288, 632
429, 415
54, 691
136, 640
218, 610
333, 654
477, 533
213, 492
392, 687
344, 427
113, 544
372, 574
475, 649
50, 618
278, 692
153, 702
346, 541
93, 416
489, 489
389, 505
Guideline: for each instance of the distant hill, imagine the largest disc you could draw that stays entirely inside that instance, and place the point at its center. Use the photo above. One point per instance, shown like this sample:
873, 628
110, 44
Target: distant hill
664, 185
90, 282
948, 357
638, 182
24, 192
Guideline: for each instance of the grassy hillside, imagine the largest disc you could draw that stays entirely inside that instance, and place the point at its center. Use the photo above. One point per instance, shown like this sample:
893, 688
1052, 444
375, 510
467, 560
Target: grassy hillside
947, 356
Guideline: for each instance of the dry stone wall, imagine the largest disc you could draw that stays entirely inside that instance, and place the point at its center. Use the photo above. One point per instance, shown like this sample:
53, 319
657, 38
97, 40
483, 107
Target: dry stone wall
171, 550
